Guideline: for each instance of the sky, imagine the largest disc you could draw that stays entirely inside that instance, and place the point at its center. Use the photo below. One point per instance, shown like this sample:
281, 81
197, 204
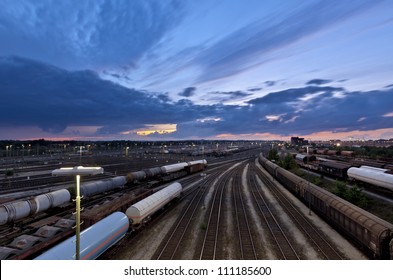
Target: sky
173, 70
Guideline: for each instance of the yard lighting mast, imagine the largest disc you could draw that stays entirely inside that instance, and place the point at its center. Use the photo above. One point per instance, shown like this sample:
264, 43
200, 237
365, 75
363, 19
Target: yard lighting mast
308, 182
77, 171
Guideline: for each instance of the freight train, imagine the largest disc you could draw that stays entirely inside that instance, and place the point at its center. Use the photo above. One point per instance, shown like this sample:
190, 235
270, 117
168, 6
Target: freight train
13, 212
98, 238
371, 233
17, 210
364, 173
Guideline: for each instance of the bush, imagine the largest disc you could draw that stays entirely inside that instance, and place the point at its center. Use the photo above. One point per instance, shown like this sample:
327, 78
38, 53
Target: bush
353, 195
9, 173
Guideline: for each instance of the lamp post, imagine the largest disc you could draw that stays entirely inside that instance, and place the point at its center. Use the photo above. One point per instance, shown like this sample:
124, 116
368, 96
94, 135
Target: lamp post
77, 171
308, 182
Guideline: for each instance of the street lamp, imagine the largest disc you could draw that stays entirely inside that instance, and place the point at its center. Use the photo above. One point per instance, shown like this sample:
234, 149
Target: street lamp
77, 171
308, 182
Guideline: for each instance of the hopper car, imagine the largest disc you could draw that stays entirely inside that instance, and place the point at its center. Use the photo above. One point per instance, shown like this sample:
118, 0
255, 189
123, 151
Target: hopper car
373, 234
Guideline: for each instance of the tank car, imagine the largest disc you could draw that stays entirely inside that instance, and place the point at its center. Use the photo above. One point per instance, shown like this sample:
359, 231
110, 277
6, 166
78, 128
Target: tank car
152, 172
194, 162
173, 167
94, 240
135, 176
95, 187
373, 176
16, 210
142, 210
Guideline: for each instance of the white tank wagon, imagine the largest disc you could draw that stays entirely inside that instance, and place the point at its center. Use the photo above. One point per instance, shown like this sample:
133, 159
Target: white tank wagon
142, 210
373, 177
52, 199
94, 240
376, 169
17, 210
201, 161
173, 167
92, 188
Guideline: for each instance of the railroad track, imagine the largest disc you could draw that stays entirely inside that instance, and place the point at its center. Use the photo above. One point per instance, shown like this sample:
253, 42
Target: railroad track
284, 247
318, 239
209, 248
246, 242
171, 243
182, 228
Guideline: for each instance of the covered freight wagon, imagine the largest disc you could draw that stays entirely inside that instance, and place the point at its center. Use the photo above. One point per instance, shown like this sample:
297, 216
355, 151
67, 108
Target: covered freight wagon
142, 210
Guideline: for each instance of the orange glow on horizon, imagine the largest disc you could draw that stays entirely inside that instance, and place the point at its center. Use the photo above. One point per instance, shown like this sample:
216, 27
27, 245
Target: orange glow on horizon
154, 128
385, 133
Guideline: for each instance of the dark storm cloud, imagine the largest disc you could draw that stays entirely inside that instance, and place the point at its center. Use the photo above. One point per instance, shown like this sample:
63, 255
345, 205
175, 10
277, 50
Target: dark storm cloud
235, 94
188, 92
238, 51
270, 83
226, 96
33, 93
318, 82
254, 89
303, 111
36, 94
291, 95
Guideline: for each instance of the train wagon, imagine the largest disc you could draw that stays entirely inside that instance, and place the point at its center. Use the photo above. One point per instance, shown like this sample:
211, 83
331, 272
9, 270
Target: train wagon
373, 176
94, 240
372, 233
142, 210
17, 210
334, 168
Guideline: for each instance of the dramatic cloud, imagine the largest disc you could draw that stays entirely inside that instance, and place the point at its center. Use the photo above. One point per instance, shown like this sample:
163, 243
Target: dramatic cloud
270, 83
318, 82
254, 89
35, 94
187, 92
184, 69
85, 34
253, 44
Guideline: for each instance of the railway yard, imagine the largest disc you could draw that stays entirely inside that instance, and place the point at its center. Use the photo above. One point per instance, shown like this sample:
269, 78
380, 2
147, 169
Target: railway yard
237, 206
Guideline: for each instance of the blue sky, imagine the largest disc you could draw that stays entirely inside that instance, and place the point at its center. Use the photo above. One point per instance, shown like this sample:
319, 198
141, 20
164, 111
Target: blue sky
145, 70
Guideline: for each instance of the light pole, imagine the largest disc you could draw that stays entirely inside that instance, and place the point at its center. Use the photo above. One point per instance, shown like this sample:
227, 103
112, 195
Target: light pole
77, 171
308, 182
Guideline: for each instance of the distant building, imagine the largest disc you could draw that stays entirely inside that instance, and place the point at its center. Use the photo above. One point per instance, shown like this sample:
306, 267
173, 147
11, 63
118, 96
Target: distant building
297, 141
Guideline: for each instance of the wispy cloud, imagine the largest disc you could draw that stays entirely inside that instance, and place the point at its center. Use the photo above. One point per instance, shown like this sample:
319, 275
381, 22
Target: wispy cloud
251, 45
86, 34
